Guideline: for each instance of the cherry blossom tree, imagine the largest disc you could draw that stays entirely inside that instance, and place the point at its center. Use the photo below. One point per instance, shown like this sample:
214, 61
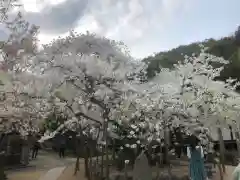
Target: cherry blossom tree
20, 110
88, 75
194, 82
22, 36
93, 81
206, 101
21, 39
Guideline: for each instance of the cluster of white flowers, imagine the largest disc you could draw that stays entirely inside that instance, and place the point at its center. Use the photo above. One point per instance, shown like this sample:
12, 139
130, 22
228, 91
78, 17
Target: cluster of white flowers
91, 80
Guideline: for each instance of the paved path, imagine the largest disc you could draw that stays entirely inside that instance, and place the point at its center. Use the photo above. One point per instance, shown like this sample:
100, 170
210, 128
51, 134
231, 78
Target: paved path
48, 166
49, 160
45, 162
227, 175
69, 171
53, 174
25, 175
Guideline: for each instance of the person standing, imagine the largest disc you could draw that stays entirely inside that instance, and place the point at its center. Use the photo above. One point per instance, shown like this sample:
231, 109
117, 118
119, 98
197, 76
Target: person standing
25, 151
178, 149
62, 148
35, 149
178, 142
196, 156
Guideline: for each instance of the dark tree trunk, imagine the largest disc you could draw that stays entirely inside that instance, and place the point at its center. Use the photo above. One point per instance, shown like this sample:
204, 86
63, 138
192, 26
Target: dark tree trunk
222, 149
102, 161
166, 143
77, 168
231, 132
238, 142
86, 162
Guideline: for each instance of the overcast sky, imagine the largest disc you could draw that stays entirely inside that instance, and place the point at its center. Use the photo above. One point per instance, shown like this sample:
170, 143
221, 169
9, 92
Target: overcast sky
145, 26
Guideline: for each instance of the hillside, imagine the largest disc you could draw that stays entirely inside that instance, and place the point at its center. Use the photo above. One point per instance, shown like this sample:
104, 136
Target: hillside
225, 47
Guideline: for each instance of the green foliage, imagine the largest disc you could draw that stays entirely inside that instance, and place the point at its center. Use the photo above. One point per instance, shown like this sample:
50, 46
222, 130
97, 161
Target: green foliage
225, 47
52, 122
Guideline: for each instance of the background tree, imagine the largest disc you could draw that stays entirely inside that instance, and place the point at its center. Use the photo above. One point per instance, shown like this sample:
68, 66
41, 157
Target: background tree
226, 47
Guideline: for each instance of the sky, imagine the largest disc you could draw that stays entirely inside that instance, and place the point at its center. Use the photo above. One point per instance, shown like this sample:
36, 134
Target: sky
145, 26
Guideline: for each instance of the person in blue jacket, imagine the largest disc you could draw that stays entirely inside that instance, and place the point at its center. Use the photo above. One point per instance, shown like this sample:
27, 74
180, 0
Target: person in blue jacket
196, 158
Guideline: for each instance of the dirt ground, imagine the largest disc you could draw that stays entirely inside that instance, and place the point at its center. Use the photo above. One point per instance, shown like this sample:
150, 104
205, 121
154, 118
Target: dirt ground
25, 175
47, 162
68, 173
38, 167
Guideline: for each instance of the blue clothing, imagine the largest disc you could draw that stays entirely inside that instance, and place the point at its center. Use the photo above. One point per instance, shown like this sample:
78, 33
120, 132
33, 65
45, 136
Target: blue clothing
196, 166
236, 173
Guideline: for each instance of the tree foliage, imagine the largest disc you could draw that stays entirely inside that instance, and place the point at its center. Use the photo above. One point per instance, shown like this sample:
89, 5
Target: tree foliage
226, 48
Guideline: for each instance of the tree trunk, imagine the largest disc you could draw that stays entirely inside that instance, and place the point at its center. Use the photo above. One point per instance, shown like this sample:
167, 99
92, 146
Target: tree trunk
86, 167
102, 162
166, 142
25, 153
77, 168
86, 160
2, 139
238, 142
231, 132
220, 170
106, 149
222, 149
97, 160
113, 152
90, 164
169, 172
125, 171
